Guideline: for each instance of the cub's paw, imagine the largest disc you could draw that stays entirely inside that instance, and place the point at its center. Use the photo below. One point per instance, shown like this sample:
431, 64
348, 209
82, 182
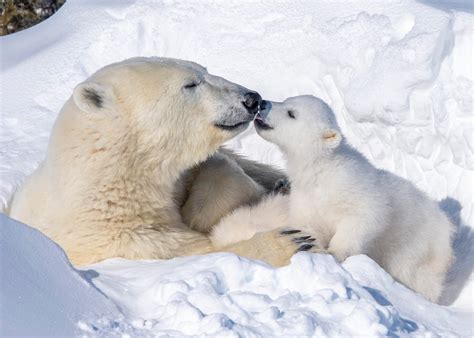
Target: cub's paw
282, 186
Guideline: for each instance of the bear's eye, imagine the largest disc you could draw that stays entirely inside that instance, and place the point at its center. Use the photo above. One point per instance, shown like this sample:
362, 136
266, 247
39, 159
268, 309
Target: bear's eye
291, 114
191, 85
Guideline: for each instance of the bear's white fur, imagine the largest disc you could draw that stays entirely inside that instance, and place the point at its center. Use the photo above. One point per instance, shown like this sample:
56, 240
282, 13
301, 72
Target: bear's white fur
219, 185
272, 212
349, 206
119, 147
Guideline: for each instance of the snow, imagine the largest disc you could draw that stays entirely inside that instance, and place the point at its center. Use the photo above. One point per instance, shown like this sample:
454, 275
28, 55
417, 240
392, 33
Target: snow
41, 293
222, 294
218, 294
399, 77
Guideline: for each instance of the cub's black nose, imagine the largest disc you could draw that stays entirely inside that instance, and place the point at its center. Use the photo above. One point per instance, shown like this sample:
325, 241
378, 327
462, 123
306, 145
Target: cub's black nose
251, 102
263, 105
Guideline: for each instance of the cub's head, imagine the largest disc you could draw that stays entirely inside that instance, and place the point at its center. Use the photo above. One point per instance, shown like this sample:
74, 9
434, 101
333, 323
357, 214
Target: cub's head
167, 104
299, 125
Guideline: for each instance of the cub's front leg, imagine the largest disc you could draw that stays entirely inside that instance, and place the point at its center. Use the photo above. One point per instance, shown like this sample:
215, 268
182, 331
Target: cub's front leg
355, 236
243, 223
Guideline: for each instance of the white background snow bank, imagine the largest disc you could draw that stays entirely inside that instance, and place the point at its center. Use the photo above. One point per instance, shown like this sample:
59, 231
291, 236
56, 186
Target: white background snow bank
397, 73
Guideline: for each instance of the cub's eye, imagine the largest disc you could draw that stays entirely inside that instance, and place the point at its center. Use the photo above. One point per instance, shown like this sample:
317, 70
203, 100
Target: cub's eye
191, 85
291, 114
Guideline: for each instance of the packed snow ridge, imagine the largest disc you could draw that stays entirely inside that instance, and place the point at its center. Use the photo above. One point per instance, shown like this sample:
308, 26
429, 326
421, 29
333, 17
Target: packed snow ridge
395, 74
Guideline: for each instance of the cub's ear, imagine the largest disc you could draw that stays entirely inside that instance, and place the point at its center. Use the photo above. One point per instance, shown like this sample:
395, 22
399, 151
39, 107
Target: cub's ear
332, 138
92, 98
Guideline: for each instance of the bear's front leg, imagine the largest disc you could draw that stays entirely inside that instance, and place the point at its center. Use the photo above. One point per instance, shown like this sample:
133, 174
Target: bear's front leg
341, 247
353, 237
275, 247
242, 224
219, 187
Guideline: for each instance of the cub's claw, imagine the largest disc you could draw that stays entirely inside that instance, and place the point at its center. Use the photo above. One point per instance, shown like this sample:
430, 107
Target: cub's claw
282, 186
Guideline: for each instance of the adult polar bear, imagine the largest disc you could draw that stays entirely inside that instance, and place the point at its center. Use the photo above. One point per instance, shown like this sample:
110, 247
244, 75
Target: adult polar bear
117, 152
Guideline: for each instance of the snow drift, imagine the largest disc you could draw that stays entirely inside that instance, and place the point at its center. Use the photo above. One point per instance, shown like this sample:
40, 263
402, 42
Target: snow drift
395, 73
218, 294
42, 294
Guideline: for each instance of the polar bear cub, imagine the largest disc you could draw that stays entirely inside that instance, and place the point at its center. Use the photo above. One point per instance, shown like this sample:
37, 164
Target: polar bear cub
350, 206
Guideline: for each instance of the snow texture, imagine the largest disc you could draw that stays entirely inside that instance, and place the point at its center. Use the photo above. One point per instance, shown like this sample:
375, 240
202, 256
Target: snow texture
399, 77
222, 294
42, 294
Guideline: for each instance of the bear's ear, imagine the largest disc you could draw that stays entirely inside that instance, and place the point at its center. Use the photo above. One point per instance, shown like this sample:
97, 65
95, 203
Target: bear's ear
332, 138
91, 97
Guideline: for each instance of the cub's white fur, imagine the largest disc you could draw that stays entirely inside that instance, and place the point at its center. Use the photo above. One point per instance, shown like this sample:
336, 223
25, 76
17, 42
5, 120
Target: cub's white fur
219, 185
350, 206
118, 150
242, 223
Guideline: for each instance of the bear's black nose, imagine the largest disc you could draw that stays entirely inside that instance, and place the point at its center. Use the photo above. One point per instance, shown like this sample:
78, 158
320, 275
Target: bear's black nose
251, 101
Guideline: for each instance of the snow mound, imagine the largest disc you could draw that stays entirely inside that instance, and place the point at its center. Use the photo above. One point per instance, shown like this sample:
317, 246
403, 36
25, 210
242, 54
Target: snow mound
42, 294
218, 294
224, 295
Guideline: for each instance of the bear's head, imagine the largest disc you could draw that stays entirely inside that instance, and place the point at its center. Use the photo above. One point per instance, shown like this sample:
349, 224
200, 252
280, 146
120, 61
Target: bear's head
165, 107
299, 125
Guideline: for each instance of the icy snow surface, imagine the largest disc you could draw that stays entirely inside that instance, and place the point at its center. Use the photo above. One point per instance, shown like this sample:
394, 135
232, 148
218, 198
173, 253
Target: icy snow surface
42, 294
399, 77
